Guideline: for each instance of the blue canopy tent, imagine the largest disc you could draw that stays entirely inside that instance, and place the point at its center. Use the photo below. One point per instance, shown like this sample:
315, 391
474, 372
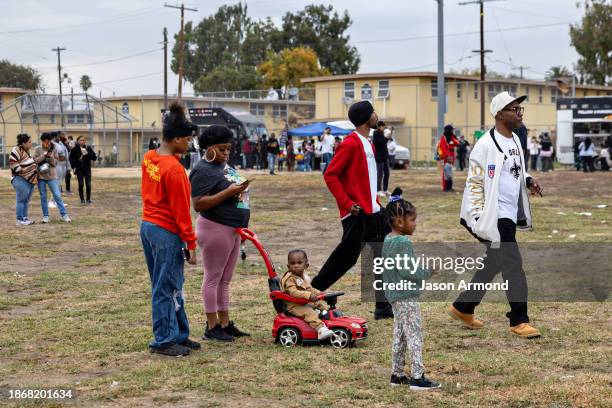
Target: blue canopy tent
316, 129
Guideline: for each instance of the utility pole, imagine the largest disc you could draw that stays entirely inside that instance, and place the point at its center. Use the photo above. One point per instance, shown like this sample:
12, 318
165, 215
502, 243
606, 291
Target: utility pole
440, 84
165, 69
59, 74
521, 68
482, 52
181, 44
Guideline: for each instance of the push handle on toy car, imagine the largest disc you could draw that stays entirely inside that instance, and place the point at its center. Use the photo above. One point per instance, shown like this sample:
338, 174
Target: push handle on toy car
329, 295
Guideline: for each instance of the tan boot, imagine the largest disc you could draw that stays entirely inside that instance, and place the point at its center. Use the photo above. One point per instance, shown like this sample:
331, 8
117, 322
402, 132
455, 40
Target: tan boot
525, 330
468, 320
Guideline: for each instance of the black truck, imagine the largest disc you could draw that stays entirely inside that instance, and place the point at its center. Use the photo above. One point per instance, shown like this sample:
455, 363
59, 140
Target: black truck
240, 122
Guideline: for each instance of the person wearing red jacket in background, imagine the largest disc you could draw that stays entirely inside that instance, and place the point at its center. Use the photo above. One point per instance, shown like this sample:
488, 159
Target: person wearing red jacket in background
351, 177
446, 149
165, 230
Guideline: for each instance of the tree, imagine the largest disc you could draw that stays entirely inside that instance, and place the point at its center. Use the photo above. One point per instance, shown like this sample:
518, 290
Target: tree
85, 83
19, 76
228, 79
593, 41
229, 38
287, 67
316, 27
558, 71
229, 43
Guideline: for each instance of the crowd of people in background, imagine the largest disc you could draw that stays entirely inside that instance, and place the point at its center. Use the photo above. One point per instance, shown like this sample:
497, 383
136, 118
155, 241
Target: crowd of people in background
49, 166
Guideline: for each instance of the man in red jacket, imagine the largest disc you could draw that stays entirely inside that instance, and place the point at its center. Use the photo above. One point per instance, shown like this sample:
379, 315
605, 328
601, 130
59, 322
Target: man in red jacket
351, 177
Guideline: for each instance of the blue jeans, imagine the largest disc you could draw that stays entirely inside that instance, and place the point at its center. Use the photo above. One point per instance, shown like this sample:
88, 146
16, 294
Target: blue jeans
271, 162
325, 159
23, 193
57, 197
164, 256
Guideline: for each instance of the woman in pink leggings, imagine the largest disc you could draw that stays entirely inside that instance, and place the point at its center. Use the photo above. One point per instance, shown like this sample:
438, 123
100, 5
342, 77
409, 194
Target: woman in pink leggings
220, 195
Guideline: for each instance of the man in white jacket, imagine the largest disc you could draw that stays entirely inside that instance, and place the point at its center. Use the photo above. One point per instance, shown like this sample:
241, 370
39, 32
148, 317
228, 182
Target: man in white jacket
496, 203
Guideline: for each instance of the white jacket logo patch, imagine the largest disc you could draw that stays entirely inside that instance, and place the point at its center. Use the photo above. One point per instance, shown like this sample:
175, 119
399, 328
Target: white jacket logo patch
491, 171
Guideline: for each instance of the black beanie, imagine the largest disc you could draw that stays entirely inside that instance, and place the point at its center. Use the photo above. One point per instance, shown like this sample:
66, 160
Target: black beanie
360, 112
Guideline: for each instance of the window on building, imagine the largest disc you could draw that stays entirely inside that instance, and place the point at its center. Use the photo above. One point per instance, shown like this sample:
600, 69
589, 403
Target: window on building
349, 90
493, 89
527, 93
476, 90
258, 109
189, 104
279, 111
51, 119
216, 104
1, 144
34, 120
554, 94
540, 94
0, 102
434, 88
383, 89
125, 108
366, 92
512, 89
459, 91
310, 112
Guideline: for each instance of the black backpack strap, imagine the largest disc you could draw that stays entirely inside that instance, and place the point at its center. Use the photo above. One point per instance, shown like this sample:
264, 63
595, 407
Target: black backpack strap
492, 133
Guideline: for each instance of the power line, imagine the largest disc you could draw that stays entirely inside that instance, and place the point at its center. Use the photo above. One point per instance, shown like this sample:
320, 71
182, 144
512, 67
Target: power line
112, 60
128, 78
123, 16
426, 37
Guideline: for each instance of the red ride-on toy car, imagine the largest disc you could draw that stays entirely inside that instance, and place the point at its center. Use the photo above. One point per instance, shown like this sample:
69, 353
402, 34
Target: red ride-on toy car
289, 330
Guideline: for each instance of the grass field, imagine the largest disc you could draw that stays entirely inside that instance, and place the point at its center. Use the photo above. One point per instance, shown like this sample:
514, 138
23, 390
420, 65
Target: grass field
75, 310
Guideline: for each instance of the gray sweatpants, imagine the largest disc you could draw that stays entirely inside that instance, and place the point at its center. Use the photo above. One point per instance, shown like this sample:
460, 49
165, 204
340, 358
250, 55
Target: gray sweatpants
407, 334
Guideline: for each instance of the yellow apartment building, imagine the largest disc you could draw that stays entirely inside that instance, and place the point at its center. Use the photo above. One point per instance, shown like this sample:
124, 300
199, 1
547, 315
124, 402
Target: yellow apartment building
130, 122
408, 101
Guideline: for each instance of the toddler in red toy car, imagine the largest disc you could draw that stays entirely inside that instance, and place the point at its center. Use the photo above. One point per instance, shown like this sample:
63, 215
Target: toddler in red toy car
296, 283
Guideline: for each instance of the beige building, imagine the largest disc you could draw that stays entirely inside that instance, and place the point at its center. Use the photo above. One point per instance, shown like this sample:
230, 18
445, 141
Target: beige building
408, 101
130, 122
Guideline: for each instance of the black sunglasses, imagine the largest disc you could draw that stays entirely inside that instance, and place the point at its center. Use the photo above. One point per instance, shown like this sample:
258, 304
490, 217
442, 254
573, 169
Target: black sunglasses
517, 109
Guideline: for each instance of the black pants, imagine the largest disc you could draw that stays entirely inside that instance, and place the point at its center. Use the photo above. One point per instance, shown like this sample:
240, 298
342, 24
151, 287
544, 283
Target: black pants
357, 231
588, 163
382, 173
461, 159
448, 185
506, 259
67, 179
84, 177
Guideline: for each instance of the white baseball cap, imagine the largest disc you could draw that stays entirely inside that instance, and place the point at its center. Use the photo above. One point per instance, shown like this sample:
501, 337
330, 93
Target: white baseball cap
501, 100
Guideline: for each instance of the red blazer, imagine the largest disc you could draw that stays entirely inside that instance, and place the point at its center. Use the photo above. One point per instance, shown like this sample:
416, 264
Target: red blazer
347, 178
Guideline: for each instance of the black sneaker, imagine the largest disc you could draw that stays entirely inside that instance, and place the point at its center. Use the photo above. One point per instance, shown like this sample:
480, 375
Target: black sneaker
82, 202
399, 380
217, 334
383, 313
193, 345
170, 349
423, 384
89, 202
232, 330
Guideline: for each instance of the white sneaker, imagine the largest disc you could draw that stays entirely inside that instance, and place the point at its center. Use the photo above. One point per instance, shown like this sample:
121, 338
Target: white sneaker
66, 218
45, 219
324, 333
22, 223
381, 193
52, 204
28, 221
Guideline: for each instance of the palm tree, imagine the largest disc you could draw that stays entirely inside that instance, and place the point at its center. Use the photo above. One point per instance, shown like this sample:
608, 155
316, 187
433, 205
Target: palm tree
557, 72
85, 83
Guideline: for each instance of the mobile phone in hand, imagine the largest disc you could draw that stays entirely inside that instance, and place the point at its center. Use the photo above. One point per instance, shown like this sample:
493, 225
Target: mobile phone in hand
186, 254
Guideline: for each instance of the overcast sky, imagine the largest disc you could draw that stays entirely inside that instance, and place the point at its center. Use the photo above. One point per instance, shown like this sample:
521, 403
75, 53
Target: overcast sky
383, 31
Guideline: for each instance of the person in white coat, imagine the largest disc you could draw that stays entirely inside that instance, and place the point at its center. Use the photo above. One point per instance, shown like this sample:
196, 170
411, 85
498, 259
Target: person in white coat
496, 203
